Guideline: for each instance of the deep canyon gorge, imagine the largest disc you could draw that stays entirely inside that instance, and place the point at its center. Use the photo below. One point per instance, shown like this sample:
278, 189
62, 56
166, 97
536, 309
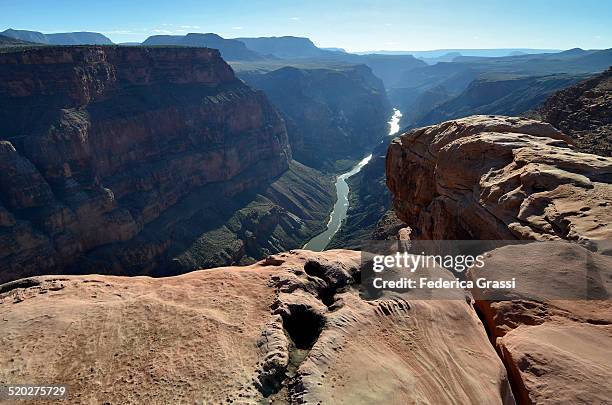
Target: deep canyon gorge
163, 209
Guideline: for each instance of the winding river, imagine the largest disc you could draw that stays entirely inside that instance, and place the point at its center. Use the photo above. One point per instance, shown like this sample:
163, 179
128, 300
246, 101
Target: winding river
320, 242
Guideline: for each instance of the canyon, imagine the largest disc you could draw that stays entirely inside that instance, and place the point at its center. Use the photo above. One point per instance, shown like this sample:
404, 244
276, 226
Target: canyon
296, 327
333, 115
154, 202
129, 160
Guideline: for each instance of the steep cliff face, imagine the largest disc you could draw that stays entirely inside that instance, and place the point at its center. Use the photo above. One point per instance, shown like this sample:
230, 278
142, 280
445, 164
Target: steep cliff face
98, 143
584, 111
494, 177
331, 114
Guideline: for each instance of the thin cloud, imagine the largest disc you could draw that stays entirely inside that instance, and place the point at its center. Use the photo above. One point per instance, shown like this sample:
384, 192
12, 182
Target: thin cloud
190, 26
237, 28
295, 18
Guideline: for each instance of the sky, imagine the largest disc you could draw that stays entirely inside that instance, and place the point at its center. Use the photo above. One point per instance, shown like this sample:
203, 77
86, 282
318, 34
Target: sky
355, 25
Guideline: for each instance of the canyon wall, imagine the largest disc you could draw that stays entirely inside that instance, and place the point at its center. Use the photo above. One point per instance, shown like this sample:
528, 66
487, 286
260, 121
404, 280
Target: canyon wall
332, 114
121, 153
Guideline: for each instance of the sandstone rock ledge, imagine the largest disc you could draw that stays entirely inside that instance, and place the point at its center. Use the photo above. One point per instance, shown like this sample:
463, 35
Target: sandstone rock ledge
289, 329
495, 177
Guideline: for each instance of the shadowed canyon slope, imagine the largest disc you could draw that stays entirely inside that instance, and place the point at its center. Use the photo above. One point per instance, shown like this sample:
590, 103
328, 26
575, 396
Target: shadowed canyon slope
331, 113
584, 111
121, 159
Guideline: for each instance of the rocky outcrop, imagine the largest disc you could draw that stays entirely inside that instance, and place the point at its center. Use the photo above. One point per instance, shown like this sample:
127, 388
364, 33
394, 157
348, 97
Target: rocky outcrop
290, 329
331, 114
583, 111
555, 335
503, 178
493, 177
98, 144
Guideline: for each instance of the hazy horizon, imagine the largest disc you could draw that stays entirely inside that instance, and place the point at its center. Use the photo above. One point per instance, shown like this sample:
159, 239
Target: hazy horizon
356, 26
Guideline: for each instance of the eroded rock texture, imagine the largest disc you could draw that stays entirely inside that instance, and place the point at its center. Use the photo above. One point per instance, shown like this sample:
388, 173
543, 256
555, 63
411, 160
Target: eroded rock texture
494, 177
290, 329
554, 332
121, 159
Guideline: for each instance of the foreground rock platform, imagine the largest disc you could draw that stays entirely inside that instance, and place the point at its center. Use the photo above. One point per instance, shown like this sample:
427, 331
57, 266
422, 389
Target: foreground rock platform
556, 350
289, 329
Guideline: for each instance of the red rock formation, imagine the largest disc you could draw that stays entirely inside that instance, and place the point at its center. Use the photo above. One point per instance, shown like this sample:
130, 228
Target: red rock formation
490, 177
290, 329
493, 177
555, 335
100, 141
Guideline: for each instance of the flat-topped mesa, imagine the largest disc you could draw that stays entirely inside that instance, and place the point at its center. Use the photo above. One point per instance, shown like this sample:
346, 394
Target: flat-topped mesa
97, 142
494, 177
83, 73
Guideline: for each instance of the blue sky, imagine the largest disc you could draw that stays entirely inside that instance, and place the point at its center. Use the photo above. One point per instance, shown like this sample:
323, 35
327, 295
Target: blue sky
355, 25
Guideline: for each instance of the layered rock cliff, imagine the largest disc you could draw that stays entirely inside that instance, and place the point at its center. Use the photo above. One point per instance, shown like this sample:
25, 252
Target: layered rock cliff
584, 111
494, 177
331, 114
124, 153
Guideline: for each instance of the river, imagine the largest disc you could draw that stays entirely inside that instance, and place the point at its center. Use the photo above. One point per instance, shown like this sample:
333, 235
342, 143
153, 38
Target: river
320, 242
